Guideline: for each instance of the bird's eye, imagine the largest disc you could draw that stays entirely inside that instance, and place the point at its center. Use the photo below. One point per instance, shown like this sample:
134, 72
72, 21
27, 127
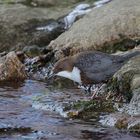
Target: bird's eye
60, 69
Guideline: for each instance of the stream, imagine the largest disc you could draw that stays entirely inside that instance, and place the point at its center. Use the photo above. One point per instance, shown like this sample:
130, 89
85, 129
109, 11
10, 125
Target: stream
19, 120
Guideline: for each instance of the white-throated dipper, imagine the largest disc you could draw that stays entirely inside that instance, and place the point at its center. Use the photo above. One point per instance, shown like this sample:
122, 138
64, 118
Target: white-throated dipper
87, 68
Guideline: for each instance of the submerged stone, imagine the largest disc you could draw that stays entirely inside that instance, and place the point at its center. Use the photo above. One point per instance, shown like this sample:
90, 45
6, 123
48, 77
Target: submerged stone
122, 121
15, 130
72, 104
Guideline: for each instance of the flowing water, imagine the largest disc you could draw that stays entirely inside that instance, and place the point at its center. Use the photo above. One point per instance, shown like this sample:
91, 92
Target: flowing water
20, 121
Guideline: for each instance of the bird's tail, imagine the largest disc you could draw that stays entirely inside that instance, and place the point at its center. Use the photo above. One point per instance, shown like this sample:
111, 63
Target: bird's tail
129, 54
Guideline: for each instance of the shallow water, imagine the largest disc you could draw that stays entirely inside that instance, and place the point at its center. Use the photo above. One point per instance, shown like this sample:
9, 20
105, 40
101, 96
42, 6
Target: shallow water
20, 121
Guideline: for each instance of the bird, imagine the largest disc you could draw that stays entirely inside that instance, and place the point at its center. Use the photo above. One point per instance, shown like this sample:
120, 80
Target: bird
91, 67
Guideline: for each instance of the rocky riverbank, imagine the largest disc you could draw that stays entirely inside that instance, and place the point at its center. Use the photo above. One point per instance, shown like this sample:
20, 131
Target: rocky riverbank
35, 34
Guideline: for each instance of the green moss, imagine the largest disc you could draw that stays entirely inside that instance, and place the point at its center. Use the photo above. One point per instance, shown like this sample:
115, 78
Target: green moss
91, 109
95, 105
122, 85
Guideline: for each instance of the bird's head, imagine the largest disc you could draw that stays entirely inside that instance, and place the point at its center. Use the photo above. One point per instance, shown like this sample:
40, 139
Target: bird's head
66, 68
63, 67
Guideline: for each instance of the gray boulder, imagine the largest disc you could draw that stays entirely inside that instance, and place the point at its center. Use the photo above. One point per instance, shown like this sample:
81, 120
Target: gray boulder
101, 29
127, 82
19, 25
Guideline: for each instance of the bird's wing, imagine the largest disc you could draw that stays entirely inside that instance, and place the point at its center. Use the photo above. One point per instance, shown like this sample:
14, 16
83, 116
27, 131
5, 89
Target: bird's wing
104, 75
94, 61
97, 66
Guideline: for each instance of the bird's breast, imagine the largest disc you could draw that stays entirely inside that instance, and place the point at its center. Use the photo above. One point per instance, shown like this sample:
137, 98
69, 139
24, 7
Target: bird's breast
76, 75
73, 75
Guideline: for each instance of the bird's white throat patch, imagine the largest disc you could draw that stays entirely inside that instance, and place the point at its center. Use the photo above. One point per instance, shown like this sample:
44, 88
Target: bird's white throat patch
74, 75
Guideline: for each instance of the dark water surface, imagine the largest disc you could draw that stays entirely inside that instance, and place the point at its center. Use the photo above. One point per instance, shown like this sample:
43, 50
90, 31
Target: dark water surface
20, 121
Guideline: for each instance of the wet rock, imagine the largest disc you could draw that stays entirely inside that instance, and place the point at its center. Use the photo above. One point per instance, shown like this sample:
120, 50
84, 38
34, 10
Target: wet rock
15, 130
90, 109
21, 56
133, 108
11, 68
126, 81
40, 66
122, 121
104, 26
19, 22
32, 51
39, 61
44, 34
28, 26
54, 28
108, 120
49, 26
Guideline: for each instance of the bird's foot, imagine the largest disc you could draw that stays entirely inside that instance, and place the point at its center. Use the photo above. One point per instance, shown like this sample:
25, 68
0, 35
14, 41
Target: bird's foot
96, 90
86, 88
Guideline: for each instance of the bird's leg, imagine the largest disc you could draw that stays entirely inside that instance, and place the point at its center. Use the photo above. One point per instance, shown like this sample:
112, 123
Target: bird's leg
87, 89
96, 91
